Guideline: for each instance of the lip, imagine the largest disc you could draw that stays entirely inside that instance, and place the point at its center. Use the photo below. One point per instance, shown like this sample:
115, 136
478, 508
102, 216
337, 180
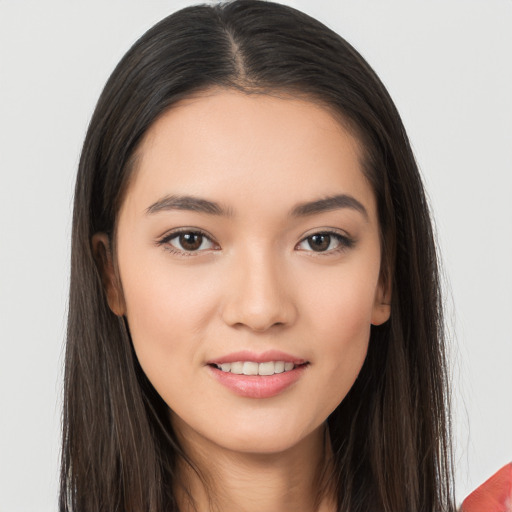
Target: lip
257, 386
246, 355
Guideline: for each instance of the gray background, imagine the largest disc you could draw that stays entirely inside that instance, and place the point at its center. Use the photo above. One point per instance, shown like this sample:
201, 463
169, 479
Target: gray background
448, 66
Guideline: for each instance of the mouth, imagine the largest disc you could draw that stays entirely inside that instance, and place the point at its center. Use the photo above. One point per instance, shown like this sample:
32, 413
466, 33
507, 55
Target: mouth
266, 368
252, 375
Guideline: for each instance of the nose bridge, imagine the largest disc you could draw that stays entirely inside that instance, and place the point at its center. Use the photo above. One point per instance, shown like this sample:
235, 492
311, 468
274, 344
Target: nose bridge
259, 298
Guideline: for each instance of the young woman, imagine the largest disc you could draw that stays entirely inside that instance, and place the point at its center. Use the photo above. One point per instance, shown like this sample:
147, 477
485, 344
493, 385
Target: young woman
255, 320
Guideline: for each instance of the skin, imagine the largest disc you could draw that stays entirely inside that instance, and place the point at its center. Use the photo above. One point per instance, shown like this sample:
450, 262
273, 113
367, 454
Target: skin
257, 285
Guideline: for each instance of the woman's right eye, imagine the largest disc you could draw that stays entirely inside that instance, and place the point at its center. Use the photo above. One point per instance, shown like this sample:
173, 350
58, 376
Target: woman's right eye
186, 242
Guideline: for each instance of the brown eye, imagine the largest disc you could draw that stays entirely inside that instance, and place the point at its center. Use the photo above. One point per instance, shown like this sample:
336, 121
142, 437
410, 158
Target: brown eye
320, 242
190, 241
328, 242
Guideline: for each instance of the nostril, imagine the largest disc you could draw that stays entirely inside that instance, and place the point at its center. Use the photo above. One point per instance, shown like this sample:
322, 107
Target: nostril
259, 314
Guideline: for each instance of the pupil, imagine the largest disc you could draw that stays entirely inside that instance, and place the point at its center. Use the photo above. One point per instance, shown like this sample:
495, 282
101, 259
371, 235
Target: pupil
319, 242
191, 241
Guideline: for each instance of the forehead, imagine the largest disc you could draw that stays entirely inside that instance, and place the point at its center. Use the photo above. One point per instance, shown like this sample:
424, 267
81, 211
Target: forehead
248, 149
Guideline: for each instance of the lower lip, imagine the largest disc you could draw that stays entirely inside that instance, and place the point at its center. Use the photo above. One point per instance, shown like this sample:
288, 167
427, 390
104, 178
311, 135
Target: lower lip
258, 386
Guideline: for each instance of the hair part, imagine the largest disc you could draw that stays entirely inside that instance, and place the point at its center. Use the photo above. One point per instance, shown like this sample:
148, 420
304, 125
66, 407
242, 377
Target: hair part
391, 435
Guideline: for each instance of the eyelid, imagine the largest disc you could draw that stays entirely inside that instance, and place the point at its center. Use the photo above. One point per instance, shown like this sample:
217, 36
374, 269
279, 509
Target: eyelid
174, 233
327, 230
346, 241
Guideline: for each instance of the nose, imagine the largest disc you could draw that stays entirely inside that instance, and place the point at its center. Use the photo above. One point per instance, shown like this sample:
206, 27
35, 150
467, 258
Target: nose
258, 294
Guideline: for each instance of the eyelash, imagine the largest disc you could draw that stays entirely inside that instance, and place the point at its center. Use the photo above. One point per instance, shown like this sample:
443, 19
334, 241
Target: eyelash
166, 239
344, 242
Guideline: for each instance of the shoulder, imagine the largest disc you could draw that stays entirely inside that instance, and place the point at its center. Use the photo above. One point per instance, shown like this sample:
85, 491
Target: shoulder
494, 495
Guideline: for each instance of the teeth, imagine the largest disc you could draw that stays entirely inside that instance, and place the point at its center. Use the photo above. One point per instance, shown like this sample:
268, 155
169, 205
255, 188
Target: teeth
279, 367
266, 368
236, 368
251, 368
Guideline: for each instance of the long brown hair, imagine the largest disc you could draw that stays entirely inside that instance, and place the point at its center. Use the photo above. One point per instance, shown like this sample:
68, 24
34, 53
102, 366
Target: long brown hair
390, 435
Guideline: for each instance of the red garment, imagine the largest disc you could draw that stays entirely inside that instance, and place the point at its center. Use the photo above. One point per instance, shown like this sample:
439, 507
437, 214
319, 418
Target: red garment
494, 495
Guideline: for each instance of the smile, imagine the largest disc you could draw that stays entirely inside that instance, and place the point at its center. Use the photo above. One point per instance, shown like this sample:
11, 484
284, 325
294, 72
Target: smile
257, 380
253, 368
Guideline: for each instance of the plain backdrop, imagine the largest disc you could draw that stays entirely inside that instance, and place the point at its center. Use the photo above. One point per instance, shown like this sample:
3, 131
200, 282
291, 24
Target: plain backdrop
448, 66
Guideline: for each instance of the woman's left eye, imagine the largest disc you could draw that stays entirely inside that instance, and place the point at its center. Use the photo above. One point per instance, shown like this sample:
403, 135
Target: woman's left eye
325, 242
188, 242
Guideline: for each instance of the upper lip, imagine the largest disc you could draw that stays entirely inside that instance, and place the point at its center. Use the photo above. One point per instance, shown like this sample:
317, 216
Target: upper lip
264, 357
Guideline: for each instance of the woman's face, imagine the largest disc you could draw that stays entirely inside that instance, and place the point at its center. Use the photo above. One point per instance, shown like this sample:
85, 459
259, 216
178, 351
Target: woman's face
248, 242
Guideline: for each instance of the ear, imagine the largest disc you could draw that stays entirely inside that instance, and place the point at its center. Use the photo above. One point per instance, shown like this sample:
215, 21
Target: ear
104, 261
382, 305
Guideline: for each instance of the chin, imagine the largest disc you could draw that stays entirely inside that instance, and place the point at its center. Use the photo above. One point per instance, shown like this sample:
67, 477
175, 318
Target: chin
261, 445
265, 437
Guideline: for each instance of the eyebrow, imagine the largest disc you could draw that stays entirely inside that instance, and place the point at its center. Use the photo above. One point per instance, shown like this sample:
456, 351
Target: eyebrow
198, 204
190, 203
328, 204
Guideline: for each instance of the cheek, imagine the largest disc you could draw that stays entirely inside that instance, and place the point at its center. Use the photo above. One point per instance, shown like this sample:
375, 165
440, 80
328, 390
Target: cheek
340, 315
341, 303
168, 312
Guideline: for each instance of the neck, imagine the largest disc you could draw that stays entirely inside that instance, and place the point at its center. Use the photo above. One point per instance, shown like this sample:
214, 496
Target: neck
234, 482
